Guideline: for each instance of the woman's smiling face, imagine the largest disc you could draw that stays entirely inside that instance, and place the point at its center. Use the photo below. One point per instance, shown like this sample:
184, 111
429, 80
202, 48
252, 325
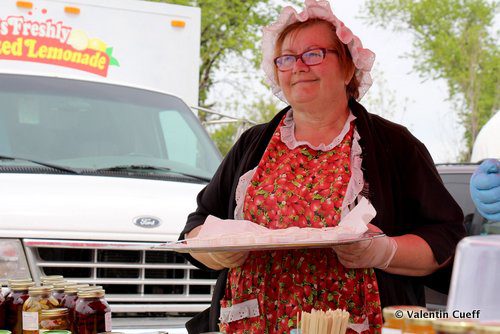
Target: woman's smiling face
324, 82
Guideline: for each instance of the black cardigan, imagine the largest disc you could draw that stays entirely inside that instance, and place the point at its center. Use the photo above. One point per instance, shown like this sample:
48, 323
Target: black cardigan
403, 186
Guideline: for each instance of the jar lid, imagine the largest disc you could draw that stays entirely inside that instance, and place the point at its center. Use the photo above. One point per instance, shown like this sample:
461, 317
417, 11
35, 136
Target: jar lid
91, 293
40, 290
51, 278
5, 331
487, 328
73, 288
419, 321
21, 286
19, 280
59, 285
453, 325
389, 312
55, 311
90, 288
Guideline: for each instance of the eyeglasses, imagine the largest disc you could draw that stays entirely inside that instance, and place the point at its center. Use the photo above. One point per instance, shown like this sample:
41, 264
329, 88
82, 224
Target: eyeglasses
310, 58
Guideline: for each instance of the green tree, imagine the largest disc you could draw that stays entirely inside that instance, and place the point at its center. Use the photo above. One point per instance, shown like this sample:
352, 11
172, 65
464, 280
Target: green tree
260, 111
453, 40
228, 28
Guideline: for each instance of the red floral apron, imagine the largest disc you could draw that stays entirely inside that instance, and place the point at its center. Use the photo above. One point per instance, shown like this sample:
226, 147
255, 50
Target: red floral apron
300, 187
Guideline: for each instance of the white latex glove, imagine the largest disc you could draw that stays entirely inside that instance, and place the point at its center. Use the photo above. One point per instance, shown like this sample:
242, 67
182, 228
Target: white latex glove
229, 259
374, 253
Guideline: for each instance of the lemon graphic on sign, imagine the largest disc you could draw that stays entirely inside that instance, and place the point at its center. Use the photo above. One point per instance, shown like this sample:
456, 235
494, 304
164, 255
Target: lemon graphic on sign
97, 44
78, 39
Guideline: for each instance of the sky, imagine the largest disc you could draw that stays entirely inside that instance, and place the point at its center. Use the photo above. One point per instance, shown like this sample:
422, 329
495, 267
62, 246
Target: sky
421, 106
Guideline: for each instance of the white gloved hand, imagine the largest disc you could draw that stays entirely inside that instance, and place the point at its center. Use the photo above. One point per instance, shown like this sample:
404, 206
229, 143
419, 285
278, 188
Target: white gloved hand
229, 259
373, 253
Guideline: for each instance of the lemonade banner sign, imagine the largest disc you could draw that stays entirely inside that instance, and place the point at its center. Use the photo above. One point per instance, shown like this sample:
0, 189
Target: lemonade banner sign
53, 43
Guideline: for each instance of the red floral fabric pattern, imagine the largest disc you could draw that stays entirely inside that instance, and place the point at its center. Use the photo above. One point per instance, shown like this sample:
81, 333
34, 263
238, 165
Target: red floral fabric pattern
301, 187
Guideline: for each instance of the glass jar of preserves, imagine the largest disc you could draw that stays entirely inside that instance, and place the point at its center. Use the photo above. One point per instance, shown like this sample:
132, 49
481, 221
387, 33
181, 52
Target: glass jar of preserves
69, 302
394, 317
418, 326
14, 306
54, 319
58, 291
40, 298
487, 328
92, 312
6, 290
453, 326
2, 308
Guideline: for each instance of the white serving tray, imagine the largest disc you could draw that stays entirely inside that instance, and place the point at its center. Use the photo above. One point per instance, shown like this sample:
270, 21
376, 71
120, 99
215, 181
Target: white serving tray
181, 246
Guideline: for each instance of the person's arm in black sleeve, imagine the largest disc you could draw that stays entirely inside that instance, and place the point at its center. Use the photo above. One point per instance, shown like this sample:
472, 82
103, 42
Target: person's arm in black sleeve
431, 215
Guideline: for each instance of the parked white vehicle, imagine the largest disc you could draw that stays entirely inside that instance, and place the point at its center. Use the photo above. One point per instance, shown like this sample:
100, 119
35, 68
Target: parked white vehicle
100, 156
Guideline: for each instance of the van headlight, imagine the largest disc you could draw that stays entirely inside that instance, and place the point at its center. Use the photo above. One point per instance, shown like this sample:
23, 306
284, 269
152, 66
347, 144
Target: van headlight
13, 262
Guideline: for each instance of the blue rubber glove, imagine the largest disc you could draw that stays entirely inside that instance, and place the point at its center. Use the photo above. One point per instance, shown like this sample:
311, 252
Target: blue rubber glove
485, 189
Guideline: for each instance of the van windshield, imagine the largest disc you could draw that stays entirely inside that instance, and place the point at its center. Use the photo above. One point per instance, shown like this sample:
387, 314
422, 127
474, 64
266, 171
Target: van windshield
87, 125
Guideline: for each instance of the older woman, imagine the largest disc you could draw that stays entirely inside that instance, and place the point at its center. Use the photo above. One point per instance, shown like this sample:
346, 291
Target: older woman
307, 167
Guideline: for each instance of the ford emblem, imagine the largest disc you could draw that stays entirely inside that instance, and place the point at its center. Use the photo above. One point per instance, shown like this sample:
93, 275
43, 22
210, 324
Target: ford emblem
147, 222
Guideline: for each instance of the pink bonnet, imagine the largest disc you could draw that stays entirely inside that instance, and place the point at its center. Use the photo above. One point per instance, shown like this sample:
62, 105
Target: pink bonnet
363, 58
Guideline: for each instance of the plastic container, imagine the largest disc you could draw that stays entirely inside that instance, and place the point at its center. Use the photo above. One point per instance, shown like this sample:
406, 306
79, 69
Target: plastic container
92, 312
474, 283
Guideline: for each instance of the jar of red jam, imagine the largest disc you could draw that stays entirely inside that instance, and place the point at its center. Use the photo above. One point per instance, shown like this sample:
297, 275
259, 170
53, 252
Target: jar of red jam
14, 306
92, 312
40, 298
69, 302
2, 308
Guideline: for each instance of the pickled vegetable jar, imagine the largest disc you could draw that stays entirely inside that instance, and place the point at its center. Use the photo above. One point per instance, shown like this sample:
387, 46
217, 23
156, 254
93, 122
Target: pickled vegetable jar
92, 312
54, 319
40, 298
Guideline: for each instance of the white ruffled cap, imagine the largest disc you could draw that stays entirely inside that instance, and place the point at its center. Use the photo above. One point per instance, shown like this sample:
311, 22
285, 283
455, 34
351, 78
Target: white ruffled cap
363, 58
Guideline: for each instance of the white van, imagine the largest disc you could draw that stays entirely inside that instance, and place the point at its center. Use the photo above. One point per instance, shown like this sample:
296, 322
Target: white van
100, 155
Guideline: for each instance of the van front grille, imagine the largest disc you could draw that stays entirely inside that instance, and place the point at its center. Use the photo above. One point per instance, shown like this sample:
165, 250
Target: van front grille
131, 273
